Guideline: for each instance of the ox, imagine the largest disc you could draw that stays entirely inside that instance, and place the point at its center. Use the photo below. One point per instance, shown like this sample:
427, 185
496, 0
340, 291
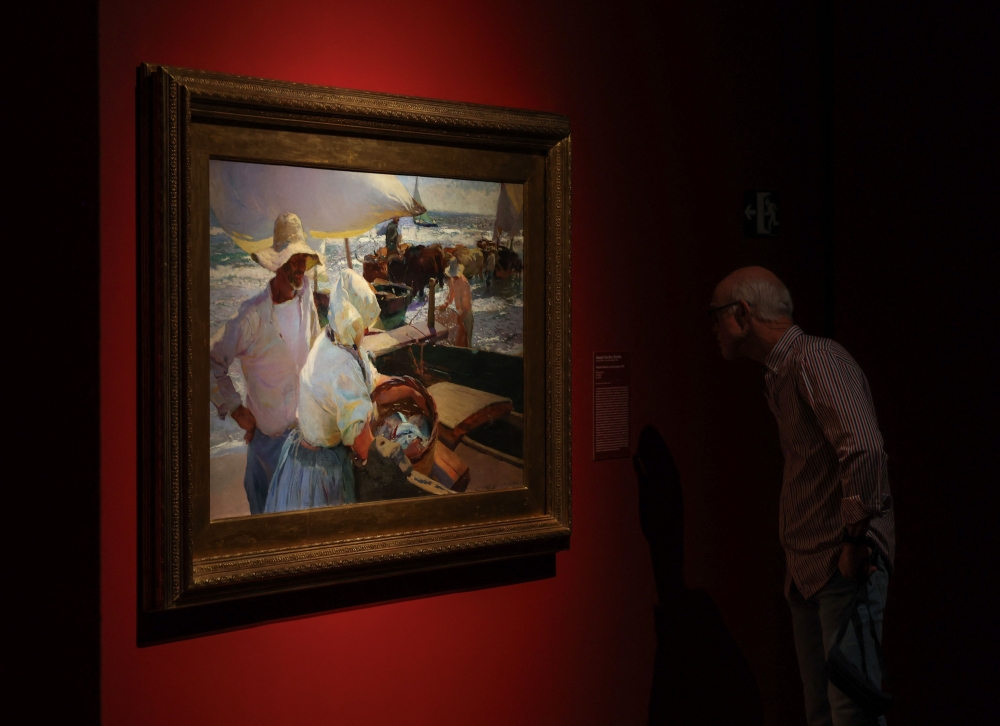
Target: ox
507, 258
419, 265
378, 267
375, 268
471, 259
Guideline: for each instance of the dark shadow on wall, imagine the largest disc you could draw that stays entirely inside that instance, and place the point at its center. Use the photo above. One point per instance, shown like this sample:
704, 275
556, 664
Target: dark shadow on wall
699, 673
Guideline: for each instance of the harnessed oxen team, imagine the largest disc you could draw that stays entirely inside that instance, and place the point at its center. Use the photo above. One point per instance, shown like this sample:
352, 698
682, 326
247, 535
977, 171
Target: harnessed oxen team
509, 264
415, 265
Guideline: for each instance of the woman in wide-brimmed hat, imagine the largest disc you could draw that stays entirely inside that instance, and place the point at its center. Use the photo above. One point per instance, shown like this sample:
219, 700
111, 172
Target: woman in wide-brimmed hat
335, 407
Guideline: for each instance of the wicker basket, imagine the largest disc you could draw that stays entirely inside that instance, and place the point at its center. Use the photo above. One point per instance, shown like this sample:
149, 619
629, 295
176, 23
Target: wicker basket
408, 396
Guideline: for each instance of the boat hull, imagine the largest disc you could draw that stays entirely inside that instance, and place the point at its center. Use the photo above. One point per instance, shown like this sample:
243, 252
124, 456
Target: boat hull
393, 300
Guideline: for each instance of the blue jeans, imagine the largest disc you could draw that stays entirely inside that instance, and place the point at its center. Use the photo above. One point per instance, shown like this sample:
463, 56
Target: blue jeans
262, 459
815, 622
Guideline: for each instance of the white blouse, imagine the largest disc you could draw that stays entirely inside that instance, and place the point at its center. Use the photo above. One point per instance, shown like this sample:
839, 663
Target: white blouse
334, 394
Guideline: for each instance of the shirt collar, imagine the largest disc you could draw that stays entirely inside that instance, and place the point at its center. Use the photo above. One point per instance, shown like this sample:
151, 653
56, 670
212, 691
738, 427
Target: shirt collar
782, 348
300, 293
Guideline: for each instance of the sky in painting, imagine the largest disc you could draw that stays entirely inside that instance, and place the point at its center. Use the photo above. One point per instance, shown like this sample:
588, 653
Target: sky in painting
455, 195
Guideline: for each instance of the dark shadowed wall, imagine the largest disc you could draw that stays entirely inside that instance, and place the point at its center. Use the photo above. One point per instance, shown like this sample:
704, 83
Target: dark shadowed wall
51, 360
674, 113
917, 195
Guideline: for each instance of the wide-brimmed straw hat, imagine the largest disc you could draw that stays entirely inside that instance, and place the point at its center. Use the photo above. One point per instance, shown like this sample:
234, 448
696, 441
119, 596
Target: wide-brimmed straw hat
289, 240
455, 268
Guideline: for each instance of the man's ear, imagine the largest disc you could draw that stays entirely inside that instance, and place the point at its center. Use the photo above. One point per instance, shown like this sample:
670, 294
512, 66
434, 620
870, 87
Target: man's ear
742, 315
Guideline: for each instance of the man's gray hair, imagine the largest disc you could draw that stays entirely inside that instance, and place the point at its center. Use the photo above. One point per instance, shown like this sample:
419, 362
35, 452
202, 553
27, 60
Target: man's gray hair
767, 300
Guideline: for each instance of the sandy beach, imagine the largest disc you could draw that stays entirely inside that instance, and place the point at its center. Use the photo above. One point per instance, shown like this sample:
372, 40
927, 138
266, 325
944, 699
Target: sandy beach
228, 497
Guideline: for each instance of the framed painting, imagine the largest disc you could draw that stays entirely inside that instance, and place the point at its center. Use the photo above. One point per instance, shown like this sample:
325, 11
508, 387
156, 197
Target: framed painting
354, 342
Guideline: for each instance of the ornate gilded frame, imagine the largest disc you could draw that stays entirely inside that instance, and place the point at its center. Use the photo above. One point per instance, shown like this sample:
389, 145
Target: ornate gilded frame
196, 574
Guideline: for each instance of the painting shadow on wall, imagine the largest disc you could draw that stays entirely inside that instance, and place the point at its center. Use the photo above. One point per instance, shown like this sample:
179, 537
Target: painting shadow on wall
699, 673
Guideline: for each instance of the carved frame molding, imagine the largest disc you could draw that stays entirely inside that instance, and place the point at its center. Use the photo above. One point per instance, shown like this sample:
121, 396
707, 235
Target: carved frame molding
170, 102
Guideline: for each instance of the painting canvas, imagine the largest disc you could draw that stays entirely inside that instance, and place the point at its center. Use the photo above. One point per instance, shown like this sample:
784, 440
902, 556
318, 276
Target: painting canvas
367, 337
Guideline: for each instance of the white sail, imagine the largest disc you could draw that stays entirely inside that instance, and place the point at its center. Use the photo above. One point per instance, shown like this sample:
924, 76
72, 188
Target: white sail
425, 218
246, 198
510, 211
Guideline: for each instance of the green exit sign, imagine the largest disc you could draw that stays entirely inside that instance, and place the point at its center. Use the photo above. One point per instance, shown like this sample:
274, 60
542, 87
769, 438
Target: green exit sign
760, 213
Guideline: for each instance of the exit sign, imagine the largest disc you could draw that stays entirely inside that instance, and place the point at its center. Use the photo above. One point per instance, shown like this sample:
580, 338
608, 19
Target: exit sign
760, 213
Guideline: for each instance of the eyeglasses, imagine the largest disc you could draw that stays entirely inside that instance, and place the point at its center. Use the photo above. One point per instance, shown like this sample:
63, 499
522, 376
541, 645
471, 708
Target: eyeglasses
713, 313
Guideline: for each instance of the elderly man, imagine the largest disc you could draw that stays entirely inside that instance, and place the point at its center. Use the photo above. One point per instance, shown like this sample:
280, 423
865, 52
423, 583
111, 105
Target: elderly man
835, 513
271, 335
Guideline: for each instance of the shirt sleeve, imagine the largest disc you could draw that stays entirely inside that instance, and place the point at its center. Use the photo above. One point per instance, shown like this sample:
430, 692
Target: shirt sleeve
228, 343
369, 361
354, 403
836, 390
315, 329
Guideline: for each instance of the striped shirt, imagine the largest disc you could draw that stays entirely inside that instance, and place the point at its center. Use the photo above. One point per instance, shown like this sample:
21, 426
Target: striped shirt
835, 465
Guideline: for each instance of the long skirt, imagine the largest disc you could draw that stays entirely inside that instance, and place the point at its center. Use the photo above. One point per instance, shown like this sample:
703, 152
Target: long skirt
307, 478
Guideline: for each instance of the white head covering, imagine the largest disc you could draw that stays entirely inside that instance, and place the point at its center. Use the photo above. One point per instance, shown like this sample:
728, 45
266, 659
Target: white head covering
353, 307
455, 268
289, 239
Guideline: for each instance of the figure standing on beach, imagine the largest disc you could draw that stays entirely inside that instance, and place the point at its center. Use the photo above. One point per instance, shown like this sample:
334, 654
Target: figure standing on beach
335, 407
491, 267
460, 293
392, 237
271, 335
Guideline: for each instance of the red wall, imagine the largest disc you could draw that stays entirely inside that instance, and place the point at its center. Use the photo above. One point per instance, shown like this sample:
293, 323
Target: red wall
673, 116
675, 112
573, 649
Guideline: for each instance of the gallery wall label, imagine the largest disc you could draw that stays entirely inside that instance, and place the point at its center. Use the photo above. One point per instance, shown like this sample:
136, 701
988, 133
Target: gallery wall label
611, 389
760, 213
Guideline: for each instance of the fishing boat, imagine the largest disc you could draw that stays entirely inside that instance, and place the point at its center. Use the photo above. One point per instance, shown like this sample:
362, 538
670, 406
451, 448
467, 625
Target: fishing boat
509, 220
510, 211
479, 397
393, 300
424, 219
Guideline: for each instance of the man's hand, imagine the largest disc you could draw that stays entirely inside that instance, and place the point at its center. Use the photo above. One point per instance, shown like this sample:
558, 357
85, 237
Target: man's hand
246, 421
854, 560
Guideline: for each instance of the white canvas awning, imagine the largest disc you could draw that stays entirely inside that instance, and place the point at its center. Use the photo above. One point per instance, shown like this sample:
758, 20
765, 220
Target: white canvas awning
247, 197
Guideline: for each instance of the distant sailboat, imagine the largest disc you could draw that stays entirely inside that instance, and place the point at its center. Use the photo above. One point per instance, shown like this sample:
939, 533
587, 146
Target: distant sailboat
421, 220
